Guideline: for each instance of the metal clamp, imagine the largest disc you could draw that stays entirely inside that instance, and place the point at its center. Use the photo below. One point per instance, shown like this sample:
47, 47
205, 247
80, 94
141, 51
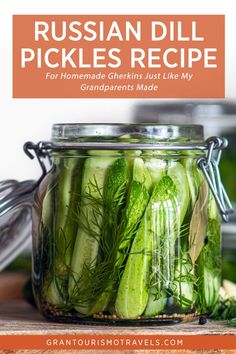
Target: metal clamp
42, 154
210, 168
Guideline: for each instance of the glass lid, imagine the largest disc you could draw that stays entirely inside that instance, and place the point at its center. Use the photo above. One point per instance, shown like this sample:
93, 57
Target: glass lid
65, 133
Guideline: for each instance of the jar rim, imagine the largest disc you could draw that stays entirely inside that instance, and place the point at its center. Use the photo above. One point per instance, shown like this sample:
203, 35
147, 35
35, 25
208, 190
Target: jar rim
142, 132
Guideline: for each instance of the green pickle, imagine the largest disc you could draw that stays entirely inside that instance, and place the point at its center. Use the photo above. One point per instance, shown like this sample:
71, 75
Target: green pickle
127, 236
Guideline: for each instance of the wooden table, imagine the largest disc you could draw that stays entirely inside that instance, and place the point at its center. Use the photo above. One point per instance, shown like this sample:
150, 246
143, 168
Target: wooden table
18, 317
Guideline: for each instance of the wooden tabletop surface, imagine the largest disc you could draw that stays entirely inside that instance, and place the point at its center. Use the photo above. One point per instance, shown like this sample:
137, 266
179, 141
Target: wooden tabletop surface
19, 317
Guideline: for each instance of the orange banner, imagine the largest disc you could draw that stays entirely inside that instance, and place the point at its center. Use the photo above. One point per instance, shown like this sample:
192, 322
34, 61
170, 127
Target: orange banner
118, 56
117, 342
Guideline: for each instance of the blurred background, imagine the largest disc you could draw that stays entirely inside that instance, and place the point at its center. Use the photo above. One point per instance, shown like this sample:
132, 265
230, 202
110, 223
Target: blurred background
31, 119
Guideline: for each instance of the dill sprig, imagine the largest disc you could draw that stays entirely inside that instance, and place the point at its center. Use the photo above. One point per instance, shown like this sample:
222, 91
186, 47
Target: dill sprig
225, 309
96, 276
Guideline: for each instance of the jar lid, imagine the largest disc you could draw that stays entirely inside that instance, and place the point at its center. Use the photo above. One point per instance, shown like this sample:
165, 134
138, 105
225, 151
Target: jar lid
15, 219
64, 133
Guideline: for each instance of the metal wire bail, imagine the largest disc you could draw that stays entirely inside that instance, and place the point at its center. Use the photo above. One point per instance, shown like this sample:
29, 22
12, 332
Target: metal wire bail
42, 154
210, 168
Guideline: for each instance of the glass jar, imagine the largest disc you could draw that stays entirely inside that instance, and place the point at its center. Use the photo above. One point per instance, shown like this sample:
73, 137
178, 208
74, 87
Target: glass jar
125, 226
125, 222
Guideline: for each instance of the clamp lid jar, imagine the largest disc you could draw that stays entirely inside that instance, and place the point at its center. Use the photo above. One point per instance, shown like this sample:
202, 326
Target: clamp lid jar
126, 224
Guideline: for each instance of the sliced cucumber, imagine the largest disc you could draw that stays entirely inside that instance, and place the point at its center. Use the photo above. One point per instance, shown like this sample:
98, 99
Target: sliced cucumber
183, 286
133, 292
86, 246
156, 303
141, 173
178, 174
156, 167
194, 177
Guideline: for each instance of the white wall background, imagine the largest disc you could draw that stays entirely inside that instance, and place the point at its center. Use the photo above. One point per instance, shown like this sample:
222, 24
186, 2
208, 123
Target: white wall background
31, 119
